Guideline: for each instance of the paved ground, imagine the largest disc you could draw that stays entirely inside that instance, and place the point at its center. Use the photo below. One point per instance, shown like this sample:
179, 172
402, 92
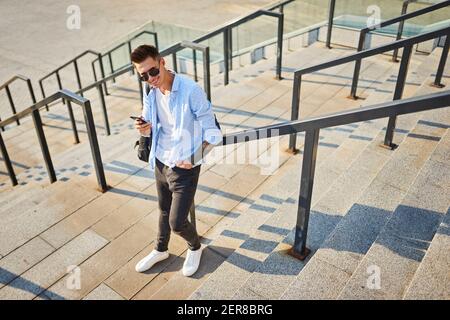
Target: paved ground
35, 39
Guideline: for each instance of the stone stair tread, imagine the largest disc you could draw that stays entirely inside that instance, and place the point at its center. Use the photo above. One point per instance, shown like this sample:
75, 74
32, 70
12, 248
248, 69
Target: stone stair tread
278, 277
404, 239
245, 219
432, 279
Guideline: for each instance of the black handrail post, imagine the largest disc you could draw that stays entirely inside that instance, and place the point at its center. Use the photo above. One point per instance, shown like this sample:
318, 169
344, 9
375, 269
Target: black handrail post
442, 61
93, 70
230, 47
58, 78
11, 103
155, 36
95, 149
77, 73
105, 112
3, 128
192, 215
295, 110
280, 45
194, 58
174, 62
400, 29
330, 22
206, 73
399, 86
102, 72
129, 51
31, 91
44, 146
9, 167
73, 123
225, 57
43, 93
299, 249
362, 39
111, 66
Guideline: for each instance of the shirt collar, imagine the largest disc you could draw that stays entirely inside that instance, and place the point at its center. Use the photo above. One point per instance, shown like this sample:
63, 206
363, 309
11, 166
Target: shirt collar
176, 81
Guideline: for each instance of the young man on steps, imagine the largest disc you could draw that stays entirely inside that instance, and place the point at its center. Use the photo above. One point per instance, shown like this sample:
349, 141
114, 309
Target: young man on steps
180, 119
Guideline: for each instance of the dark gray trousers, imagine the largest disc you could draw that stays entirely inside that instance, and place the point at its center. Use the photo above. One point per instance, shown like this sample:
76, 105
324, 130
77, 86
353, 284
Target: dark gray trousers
176, 190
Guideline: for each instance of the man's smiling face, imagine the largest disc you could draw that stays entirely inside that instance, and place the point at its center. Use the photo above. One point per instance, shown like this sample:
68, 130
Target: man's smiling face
150, 63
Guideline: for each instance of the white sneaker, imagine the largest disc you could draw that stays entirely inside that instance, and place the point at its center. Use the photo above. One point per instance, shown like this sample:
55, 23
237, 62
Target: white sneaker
192, 262
148, 262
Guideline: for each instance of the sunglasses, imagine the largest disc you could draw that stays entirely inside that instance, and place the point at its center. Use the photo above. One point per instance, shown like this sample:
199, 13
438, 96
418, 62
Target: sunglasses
153, 72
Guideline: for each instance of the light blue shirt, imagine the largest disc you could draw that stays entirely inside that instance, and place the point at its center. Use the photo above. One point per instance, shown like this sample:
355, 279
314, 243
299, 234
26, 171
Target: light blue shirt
194, 121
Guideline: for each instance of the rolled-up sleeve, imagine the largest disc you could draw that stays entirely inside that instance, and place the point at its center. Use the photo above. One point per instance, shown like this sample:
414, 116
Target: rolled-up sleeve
203, 112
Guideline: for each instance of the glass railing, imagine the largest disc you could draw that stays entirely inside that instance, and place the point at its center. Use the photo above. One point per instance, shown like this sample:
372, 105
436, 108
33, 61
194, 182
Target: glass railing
168, 34
357, 14
298, 15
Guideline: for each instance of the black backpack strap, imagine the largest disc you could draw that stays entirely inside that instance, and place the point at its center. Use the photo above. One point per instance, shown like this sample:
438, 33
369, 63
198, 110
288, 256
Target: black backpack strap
217, 123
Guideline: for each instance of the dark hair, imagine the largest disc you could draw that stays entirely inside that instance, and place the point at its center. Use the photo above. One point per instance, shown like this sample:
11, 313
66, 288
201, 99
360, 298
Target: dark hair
143, 52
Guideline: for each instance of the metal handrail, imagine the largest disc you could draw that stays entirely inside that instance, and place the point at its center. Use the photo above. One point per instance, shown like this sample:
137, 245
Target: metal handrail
128, 43
226, 30
10, 98
312, 126
77, 73
99, 84
405, 43
34, 112
60, 86
401, 19
172, 50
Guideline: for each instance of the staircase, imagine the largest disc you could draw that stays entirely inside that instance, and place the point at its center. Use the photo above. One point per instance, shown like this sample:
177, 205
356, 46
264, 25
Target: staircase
371, 206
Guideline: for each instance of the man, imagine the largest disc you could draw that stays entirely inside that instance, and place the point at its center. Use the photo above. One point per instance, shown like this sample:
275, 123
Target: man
180, 119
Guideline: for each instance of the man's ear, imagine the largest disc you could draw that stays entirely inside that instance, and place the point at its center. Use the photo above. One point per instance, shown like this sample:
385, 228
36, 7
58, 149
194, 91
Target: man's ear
163, 62
135, 67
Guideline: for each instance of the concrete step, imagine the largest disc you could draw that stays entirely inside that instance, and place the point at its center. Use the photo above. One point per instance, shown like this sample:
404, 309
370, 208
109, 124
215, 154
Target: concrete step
338, 162
204, 219
23, 146
260, 284
248, 90
339, 255
230, 194
432, 279
123, 232
127, 89
403, 241
352, 237
208, 289
60, 238
216, 201
124, 124
166, 290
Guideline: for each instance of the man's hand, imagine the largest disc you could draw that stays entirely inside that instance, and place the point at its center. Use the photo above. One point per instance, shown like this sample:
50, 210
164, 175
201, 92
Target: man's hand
143, 127
204, 145
184, 164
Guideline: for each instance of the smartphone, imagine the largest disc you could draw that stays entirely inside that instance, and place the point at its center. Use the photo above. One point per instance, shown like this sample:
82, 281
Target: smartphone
137, 118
